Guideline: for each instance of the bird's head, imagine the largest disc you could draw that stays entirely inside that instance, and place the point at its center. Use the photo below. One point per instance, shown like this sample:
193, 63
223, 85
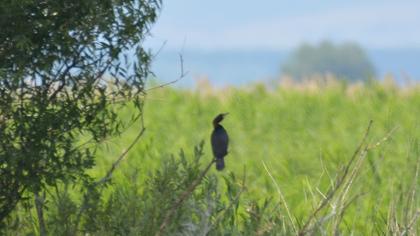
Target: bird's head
219, 118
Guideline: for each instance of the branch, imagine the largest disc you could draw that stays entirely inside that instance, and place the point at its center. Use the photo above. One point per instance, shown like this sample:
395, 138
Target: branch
109, 173
159, 50
181, 76
412, 223
337, 185
120, 158
343, 209
182, 198
62, 79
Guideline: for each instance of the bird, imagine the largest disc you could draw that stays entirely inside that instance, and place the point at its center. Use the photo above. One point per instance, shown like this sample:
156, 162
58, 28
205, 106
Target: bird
219, 141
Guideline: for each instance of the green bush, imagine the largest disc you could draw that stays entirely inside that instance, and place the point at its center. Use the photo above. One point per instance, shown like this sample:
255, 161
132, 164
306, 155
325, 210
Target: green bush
139, 207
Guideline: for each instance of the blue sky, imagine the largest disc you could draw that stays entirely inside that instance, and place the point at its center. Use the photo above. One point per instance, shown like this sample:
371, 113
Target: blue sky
279, 25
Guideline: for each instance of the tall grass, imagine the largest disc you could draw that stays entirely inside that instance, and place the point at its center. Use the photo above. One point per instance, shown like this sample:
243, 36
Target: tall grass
308, 170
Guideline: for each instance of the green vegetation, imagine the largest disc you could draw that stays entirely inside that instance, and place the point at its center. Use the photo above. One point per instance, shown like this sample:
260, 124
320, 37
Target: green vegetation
304, 135
347, 61
304, 158
53, 58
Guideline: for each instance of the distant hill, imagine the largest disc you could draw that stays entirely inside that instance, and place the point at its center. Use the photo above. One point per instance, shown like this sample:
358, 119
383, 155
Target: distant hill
241, 67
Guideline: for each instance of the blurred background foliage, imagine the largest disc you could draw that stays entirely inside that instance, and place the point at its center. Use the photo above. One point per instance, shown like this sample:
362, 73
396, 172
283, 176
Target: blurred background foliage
346, 61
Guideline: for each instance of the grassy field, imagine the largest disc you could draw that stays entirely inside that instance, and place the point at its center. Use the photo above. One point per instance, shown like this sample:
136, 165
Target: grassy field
304, 134
294, 144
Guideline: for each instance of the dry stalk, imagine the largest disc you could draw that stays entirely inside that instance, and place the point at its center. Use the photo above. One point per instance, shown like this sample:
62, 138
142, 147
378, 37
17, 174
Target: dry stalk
182, 198
338, 184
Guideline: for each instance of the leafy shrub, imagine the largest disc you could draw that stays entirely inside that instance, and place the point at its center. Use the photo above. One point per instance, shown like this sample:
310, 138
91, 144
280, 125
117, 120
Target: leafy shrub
139, 207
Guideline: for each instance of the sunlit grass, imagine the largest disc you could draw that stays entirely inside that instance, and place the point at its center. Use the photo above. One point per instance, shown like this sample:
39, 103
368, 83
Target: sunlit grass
303, 132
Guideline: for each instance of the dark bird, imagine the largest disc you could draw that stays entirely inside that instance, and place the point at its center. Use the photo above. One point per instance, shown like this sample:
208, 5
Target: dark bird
219, 141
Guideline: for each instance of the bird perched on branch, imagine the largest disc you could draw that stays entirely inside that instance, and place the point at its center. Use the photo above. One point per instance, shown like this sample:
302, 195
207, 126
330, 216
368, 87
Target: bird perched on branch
219, 141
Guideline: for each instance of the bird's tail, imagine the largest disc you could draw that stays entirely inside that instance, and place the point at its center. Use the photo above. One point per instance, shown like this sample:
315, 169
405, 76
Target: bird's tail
220, 163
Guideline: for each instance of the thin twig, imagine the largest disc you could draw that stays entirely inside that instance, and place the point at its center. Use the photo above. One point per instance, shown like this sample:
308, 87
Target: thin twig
181, 76
125, 152
159, 50
412, 223
343, 209
384, 139
120, 158
353, 174
337, 184
114, 165
182, 198
73, 63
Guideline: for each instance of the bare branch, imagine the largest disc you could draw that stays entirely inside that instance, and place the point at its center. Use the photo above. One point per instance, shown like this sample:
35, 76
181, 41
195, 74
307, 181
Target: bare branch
337, 185
411, 224
120, 158
342, 211
182, 75
159, 50
66, 72
114, 165
182, 198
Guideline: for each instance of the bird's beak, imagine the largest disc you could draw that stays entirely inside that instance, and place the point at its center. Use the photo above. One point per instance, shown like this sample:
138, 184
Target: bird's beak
225, 114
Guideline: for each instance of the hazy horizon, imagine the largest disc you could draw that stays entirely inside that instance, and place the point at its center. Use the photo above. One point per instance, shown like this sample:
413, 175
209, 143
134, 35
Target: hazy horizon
239, 67
239, 41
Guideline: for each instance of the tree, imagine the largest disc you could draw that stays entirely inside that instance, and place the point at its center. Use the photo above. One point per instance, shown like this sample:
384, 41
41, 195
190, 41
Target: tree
346, 61
65, 70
